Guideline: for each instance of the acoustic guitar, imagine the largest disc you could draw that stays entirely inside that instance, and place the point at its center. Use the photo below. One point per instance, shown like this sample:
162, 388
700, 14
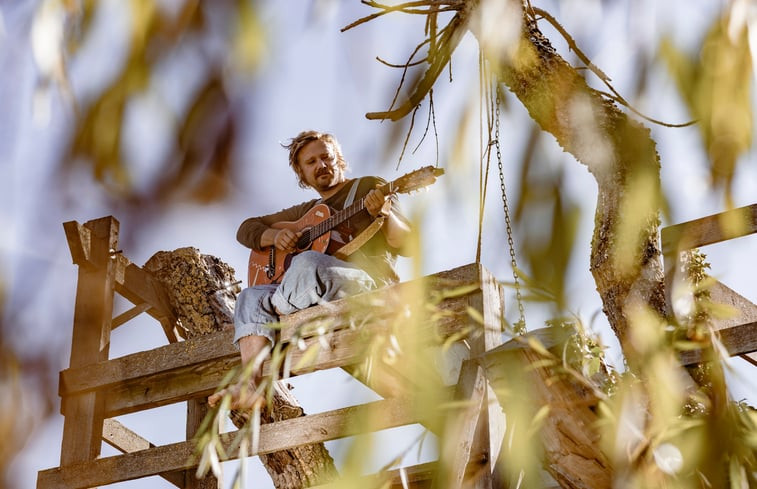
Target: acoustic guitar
318, 226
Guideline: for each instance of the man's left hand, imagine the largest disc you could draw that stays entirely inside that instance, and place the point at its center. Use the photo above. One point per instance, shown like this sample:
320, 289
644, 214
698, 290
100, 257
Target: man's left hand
377, 203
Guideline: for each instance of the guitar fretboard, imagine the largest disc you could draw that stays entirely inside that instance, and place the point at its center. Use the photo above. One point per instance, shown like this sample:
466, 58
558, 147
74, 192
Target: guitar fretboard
341, 216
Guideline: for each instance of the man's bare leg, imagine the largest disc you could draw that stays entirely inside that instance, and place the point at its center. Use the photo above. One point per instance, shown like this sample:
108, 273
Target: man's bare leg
243, 393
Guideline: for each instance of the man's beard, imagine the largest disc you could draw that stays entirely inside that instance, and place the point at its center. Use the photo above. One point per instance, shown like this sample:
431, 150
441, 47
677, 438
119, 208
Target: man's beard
324, 184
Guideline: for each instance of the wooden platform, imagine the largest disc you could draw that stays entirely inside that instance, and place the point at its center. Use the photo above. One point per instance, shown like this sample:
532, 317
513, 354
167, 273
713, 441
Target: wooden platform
464, 303
95, 388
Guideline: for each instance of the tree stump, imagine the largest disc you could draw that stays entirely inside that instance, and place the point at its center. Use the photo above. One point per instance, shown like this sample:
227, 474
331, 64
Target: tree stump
202, 291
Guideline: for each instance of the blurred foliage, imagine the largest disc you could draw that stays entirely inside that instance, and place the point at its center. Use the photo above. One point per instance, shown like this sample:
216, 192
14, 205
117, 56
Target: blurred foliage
547, 248
658, 428
198, 162
716, 85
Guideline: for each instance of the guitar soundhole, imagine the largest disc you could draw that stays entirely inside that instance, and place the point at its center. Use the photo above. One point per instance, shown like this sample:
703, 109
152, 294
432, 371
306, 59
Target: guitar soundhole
304, 242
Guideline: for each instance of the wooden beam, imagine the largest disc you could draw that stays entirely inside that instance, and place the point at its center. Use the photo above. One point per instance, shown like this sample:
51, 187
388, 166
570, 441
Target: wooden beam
431, 288
82, 427
710, 229
131, 281
274, 437
197, 409
122, 438
738, 332
190, 354
197, 352
459, 437
701, 232
488, 441
129, 315
737, 340
139, 286
415, 477
78, 238
125, 440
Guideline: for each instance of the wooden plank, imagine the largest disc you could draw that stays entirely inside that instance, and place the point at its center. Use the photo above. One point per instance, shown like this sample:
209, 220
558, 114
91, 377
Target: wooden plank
78, 238
82, 427
738, 332
122, 438
131, 281
139, 286
737, 340
137, 366
744, 310
128, 315
125, 440
710, 229
278, 436
460, 432
197, 409
492, 423
415, 477
207, 348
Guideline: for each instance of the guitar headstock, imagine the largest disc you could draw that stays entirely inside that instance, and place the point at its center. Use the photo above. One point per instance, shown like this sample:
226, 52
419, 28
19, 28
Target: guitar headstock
417, 179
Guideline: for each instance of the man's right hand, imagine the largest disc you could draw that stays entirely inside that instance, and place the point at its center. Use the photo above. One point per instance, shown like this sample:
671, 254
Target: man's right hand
286, 239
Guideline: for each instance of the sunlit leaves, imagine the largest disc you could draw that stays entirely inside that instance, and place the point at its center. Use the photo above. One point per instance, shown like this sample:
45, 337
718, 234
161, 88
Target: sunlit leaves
716, 86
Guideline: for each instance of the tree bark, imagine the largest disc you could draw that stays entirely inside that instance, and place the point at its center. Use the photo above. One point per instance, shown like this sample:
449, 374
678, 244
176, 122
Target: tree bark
202, 290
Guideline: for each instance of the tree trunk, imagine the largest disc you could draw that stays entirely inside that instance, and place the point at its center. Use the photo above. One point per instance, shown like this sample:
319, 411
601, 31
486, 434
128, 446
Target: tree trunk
626, 260
202, 290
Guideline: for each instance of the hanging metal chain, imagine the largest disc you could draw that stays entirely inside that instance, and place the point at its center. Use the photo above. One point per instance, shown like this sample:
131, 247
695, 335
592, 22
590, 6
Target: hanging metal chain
520, 325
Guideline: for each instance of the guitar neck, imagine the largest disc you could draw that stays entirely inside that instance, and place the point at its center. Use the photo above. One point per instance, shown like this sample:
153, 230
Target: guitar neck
343, 215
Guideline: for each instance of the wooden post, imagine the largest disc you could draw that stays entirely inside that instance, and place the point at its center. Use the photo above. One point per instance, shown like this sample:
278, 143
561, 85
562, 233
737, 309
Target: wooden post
477, 431
96, 242
197, 409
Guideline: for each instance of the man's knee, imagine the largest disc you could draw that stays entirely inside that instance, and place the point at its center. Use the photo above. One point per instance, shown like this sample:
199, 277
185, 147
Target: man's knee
308, 259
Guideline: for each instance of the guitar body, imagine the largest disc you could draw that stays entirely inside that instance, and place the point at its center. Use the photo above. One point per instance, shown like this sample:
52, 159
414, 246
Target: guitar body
268, 265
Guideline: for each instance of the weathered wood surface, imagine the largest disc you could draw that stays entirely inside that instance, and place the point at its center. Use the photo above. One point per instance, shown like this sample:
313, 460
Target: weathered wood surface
82, 428
283, 435
738, 332
436, 288
568, 436
710, 229
187, 369
460, 431
131, 281
125, 440
197, 410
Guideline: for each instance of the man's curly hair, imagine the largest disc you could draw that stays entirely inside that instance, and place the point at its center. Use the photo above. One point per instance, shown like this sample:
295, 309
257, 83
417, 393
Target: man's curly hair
303, 138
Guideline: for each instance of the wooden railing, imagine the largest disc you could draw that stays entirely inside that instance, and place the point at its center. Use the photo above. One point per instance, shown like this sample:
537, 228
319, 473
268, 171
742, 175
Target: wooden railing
738, 333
